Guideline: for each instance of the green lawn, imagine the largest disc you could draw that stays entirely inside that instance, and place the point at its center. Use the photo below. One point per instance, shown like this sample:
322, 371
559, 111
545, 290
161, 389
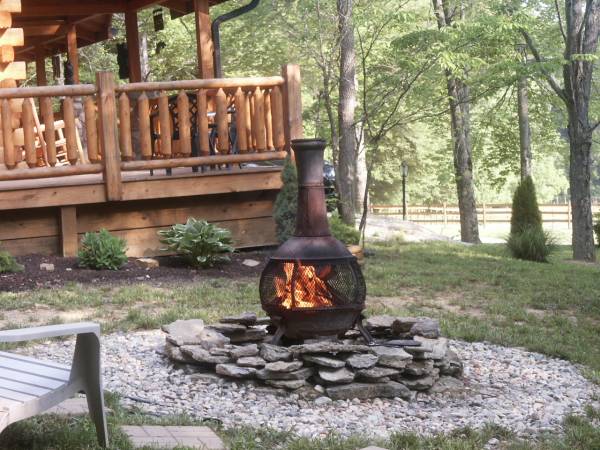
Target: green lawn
478, 293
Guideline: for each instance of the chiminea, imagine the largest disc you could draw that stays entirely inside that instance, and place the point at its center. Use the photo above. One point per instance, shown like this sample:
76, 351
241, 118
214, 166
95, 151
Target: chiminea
312, 285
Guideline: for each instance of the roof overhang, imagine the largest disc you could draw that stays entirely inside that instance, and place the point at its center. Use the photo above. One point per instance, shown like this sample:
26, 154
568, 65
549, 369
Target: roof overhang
45, 22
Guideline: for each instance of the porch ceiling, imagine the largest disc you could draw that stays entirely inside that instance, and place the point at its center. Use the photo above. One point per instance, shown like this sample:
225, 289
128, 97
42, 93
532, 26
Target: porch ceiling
45, 22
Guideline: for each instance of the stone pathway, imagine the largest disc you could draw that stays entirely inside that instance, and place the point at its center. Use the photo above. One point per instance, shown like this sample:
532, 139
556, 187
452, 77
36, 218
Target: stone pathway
170, 437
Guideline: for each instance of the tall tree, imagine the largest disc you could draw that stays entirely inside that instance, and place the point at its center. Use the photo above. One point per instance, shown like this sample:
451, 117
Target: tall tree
458, 94
347, 159
580, 31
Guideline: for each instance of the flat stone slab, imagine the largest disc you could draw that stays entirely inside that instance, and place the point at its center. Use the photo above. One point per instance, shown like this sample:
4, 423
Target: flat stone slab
172, 437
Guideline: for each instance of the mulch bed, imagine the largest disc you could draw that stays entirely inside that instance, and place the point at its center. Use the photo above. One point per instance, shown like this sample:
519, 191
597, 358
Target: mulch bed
172, 269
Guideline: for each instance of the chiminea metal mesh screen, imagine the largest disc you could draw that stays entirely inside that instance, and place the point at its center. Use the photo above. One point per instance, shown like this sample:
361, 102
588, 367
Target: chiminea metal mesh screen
303, 284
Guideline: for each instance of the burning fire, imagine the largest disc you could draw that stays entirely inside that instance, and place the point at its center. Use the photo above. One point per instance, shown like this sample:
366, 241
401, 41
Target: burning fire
304, 286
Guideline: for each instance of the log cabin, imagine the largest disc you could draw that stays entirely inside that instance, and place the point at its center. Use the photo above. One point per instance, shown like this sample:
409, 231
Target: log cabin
132, 157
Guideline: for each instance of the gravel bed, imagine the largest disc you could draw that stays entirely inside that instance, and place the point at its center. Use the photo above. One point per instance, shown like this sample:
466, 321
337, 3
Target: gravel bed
523, 391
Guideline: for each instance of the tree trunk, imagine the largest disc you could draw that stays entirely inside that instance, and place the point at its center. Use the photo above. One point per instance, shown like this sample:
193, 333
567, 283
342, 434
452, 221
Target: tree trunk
458, 92
580, 146
346, 176
524, 130
361, 172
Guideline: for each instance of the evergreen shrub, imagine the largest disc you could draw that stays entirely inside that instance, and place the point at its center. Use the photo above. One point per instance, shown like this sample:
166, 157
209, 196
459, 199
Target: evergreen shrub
102, 250
8, 264
343, 232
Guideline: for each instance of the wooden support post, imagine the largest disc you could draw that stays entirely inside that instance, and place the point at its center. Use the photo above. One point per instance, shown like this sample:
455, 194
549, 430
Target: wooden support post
133, 46
40, 67
204, 39
68, 231
72, 51
107, 110
292, 101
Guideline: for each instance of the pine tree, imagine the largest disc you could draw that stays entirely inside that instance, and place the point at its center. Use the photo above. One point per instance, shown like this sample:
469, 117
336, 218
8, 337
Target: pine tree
525, 210
286, 203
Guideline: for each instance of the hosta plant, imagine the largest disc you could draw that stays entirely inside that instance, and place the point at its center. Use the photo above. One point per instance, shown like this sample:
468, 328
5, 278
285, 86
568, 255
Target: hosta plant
102, 250
202, 244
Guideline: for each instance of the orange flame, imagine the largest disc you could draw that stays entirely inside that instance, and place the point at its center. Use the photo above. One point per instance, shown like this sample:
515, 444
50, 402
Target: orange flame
304, 286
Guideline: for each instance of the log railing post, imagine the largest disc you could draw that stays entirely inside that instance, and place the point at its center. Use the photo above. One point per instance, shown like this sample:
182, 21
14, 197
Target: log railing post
107, 111
292, 103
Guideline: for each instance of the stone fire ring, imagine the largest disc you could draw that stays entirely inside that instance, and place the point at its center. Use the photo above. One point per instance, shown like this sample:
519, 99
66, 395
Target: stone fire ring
522, 391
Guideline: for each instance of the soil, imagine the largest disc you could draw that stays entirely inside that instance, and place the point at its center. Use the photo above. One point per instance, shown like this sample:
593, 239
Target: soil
171, 269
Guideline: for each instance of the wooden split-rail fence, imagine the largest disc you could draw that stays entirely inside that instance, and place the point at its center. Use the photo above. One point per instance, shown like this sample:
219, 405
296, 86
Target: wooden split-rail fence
487, 213
147, 126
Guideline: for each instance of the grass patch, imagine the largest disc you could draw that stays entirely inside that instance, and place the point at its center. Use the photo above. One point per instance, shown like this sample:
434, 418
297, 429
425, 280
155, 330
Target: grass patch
480, 293
78, 433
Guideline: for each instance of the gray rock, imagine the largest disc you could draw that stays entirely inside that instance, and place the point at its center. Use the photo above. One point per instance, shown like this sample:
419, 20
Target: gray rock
247, 318
450, 365
210, 339
251, 361
175, 354
148, 263
239, 351
418, 368
228, 329
362, 361
394, 357
338, 376
403, 324
320, 401
419, 383
283, 366
375, 374
382, 321
251, 334
324, 361
301, 374
390, 389
428, 328
221, 351
271, 353
234, 371
286, 384
328, 347
447, 385
424, 351
184, 332
438, 346
201, 355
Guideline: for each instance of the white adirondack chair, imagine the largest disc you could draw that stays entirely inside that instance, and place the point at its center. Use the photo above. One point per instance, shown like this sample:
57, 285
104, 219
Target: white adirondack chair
29, 386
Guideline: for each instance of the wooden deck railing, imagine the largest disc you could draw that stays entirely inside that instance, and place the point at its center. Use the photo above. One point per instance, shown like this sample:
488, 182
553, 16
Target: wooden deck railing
145, 126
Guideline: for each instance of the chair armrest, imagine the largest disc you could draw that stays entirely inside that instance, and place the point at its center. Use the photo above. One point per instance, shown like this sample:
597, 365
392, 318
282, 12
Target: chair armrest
29, 334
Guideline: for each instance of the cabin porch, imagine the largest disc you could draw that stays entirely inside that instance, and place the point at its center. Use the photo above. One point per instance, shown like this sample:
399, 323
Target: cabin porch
140, 156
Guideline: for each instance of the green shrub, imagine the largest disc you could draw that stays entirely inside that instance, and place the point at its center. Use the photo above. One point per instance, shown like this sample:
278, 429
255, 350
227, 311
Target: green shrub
102, 250
286, 204
531, 244
597, 229
525, 209
343, 232
8, 264
199, 242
